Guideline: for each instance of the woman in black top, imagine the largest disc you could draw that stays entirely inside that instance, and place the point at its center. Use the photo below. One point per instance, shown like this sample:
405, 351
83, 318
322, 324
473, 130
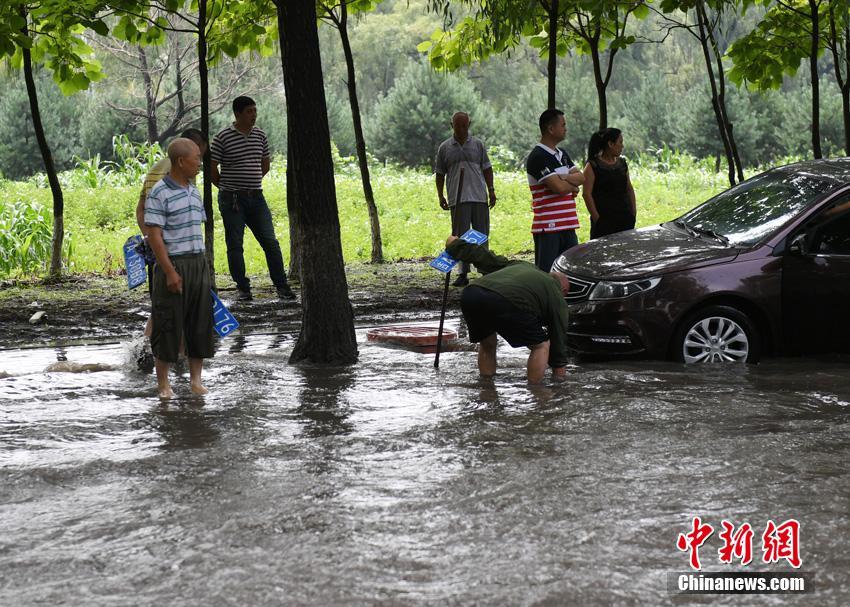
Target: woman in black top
608, 191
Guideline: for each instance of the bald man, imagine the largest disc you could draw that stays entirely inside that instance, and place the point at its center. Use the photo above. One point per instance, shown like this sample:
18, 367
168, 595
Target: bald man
182, 304
471, 207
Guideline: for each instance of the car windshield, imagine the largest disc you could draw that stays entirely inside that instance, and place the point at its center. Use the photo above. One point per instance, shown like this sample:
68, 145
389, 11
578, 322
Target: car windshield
749, 211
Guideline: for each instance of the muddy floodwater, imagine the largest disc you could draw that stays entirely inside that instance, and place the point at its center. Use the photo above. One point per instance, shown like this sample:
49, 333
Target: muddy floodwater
387, 483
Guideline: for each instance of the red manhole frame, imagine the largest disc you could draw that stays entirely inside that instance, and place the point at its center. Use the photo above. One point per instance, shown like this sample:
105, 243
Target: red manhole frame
410, 335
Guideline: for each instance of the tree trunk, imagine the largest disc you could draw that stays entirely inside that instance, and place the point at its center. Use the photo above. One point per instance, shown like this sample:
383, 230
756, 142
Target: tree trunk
841, 78
49, 168
721, 100
150, 101
291, 203
845, 88
362, 160
327, 328
601, 85
702, 22
203, 73
813, 68
553, 52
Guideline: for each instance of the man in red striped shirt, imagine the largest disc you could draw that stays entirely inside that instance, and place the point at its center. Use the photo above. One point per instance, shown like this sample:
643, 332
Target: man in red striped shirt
554, 181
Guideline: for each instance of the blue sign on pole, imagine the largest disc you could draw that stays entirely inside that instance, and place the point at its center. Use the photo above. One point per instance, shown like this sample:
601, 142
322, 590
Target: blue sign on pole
223, 320
474, 237
445, 262
135, 263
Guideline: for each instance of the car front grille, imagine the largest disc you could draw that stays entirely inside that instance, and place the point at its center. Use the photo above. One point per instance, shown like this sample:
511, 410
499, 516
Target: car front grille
579, 289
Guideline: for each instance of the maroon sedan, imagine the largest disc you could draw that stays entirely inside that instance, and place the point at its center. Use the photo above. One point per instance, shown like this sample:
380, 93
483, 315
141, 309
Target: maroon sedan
763, 267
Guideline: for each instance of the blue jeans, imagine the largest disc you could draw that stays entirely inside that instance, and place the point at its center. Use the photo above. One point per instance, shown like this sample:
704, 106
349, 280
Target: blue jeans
548, 246
249, 208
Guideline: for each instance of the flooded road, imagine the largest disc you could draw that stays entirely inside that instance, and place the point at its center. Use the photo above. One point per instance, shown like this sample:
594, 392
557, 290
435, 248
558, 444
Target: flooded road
389, 483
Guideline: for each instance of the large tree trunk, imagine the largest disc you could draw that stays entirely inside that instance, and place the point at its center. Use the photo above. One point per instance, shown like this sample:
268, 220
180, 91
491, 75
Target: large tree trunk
291, 203
49, 168
553, 52
362, 160
203, 73
813, 69
327, 328
703, 25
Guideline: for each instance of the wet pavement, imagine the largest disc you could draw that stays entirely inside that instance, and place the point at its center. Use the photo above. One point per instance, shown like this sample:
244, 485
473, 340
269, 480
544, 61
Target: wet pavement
390, 483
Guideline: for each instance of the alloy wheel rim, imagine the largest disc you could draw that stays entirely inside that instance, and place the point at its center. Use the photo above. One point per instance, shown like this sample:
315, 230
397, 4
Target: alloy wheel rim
716, 339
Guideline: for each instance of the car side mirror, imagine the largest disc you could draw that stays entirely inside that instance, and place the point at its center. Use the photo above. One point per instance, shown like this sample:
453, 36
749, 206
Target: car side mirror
798, 245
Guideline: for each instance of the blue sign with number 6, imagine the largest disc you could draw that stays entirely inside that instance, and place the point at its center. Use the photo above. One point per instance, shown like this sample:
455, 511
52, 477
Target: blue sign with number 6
224, 321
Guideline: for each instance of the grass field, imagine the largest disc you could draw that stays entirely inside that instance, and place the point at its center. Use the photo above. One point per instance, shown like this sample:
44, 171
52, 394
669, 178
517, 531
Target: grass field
99, 219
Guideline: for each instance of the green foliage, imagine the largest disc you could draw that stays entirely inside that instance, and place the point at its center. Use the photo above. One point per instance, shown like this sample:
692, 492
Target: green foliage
575, 96
471, 41
54, 37
774, 48
239, 27
413, 226
25, 238
414, 118
131, 164
133, 160
19, 153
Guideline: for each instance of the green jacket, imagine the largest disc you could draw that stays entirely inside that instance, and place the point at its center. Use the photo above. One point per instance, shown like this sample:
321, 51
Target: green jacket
525, 286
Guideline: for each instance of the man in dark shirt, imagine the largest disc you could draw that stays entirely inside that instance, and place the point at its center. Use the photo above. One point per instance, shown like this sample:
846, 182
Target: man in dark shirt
516, 300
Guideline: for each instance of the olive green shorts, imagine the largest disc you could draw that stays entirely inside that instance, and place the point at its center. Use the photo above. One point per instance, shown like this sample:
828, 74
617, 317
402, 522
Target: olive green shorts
187, 315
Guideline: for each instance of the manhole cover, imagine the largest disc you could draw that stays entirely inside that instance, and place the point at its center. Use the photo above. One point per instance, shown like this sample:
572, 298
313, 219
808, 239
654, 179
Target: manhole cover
408, 335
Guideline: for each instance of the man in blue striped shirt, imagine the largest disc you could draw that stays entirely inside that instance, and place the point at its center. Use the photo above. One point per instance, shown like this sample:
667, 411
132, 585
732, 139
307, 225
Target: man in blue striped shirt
241, 152
182, 304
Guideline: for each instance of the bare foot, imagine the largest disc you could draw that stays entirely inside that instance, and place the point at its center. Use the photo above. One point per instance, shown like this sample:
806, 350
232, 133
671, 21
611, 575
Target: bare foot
166, 393
199, 389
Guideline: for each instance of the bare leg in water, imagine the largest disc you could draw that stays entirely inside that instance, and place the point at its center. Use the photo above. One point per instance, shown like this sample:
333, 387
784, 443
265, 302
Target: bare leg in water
487, 356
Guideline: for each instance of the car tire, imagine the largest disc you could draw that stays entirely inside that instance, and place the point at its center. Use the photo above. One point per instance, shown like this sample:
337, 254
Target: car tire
717, 334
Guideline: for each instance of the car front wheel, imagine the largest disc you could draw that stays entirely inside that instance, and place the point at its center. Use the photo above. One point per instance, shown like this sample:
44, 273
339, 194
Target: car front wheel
717, 334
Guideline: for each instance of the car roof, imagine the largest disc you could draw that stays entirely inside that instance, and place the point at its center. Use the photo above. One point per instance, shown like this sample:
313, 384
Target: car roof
835, 171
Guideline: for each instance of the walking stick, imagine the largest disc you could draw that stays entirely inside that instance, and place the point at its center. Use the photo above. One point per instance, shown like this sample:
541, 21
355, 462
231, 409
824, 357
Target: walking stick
446, 285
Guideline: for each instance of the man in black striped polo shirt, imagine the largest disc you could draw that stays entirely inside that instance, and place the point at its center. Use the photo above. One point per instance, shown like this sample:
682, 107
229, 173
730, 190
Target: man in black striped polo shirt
240, 158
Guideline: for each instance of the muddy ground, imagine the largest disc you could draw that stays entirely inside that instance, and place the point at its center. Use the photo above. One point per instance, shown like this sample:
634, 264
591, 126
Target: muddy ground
88, 307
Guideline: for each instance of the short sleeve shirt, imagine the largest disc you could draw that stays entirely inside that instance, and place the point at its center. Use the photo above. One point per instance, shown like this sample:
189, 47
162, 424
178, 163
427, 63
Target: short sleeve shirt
553, 212
179, 211
472, 157
240, 157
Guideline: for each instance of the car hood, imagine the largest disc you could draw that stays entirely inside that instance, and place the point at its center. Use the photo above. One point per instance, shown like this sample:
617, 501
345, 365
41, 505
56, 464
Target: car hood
652, 250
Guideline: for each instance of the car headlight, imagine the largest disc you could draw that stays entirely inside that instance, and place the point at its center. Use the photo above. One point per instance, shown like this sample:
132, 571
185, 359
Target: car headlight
620, 290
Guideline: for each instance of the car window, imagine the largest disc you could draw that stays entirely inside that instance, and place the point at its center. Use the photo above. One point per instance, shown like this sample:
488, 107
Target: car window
833, 236
753, 209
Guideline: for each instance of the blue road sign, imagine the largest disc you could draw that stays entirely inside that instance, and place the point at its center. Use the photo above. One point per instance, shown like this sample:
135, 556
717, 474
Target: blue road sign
135, 263
445, 262
223, 320
474, 237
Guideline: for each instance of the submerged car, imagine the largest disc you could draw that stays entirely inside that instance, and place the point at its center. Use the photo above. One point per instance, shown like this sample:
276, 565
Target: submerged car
762, 268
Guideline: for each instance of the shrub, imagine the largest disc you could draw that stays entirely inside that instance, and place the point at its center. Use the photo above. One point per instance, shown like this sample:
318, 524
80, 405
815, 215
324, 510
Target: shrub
25, 238
415, 117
